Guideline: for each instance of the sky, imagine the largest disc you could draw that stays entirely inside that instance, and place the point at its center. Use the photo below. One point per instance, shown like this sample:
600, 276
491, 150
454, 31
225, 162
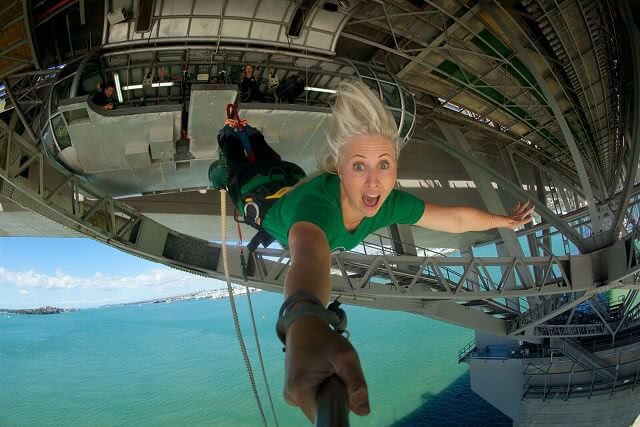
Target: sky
81, 273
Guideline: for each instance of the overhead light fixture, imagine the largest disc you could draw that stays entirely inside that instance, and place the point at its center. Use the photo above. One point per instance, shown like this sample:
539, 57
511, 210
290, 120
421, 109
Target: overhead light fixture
116, 77
319, 89
162, 84
330, 6
116, 16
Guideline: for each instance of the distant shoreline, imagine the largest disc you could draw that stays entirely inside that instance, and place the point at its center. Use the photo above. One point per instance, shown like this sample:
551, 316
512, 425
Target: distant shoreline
199, 295
40, 310
203, 294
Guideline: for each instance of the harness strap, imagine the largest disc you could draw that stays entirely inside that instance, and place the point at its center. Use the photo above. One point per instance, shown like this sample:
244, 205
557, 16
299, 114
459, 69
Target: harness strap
261, 237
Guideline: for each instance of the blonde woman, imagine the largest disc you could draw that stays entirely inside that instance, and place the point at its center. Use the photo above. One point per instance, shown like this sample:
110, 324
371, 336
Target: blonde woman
338, 208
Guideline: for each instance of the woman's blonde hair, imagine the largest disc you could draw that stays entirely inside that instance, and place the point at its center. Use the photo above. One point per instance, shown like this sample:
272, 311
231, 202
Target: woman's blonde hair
357, 110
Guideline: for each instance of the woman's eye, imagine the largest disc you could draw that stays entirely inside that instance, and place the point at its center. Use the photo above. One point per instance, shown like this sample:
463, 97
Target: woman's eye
384, 165
358, 167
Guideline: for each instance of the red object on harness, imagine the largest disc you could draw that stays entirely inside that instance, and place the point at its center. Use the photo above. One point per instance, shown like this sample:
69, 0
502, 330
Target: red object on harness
233, 119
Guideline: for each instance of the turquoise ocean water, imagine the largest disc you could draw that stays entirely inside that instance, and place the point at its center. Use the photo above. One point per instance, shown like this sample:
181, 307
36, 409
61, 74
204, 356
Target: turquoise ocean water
180, 364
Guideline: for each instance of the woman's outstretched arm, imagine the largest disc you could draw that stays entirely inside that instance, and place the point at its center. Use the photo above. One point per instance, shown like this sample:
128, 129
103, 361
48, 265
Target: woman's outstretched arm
314, 352
310, 262
460, 219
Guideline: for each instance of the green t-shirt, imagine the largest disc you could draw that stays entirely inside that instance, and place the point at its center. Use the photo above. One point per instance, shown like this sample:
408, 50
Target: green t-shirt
318, 202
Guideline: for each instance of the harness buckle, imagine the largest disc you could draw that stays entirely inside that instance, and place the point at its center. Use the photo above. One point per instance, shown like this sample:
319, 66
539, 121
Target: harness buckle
255, 206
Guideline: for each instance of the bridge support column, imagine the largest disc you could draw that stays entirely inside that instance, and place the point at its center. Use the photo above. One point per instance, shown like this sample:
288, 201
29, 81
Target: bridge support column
402, 239
492, 201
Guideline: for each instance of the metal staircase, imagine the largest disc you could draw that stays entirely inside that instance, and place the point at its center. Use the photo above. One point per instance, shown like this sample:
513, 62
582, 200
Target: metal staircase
584, 358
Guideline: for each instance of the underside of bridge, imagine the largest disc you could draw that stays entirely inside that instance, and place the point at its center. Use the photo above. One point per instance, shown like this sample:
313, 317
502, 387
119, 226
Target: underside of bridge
496, 101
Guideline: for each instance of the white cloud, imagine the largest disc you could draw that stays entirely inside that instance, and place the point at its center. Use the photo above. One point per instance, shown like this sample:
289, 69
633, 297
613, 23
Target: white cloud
157, 279
23, 292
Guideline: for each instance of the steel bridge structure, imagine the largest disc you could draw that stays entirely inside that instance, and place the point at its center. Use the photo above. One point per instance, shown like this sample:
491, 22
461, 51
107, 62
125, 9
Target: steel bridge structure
527, 99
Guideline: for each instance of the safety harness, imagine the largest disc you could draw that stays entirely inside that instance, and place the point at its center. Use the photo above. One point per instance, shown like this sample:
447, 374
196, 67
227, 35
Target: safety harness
253, 195
257, 184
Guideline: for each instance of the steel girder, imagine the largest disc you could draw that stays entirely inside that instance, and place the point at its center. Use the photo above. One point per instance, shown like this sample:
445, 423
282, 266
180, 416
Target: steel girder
581, 87
375, 281
508, 28
619, 277
28, 24
492, 201
18, 109
465, 291
495, 55
550, 331
459, 20
517, 191
526, 152
632, 132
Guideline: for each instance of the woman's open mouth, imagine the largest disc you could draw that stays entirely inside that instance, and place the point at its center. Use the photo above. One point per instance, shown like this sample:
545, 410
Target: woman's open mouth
370, 201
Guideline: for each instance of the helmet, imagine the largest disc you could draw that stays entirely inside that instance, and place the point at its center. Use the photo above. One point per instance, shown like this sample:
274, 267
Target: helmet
219, 174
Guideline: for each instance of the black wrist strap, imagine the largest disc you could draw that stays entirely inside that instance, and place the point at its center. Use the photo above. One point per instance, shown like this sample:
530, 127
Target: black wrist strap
289, 313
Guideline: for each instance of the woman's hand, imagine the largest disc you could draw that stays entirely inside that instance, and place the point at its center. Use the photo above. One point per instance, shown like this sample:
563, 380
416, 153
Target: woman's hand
314, 354
520, 215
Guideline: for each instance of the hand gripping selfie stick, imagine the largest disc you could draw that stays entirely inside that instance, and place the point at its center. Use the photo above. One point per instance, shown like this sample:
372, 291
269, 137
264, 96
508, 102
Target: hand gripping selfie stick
331, 401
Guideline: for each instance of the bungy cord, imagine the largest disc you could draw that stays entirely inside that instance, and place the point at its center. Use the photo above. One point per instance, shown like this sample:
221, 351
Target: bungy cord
255, 329
243, 348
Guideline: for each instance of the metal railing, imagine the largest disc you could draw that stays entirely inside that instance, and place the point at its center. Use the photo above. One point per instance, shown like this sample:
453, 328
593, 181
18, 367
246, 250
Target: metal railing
537, 384
465, 351
580, 330
628, 337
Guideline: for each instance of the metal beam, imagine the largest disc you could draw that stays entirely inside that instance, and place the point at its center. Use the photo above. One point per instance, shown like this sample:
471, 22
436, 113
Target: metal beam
551, 172
617, 277
10, 23
435, 289
34, 73
78, 76
10, 58
13, 46
82, 14
402, 239
514, 175
450, 312
508, 28
23, 119
632, 131
105, 23
594, 306
437, 41
28, 25
551, 308
565, 331
8, 7
509, 186
490, 198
